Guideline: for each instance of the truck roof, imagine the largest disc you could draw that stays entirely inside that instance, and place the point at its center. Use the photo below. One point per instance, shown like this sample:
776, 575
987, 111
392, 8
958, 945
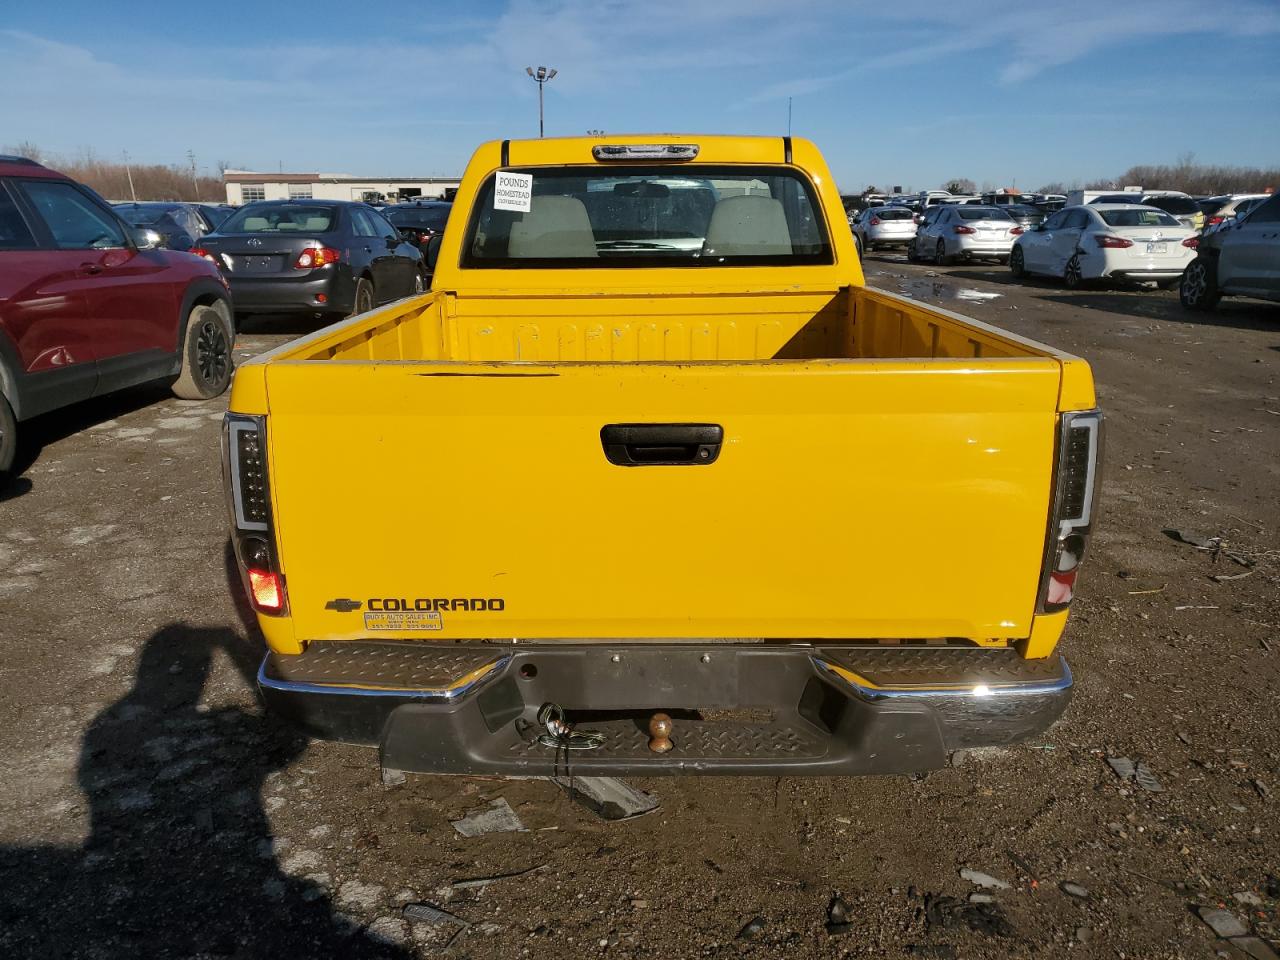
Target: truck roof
712, 148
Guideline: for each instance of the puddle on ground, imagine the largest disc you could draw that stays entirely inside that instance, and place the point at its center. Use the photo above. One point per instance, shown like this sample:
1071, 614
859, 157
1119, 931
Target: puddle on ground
924, 288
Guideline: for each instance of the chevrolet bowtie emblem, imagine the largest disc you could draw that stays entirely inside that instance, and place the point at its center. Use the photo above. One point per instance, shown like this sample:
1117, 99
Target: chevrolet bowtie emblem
343, 605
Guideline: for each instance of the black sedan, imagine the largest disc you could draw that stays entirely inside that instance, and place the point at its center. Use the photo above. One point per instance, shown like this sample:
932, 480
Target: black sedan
316, 256
422, 223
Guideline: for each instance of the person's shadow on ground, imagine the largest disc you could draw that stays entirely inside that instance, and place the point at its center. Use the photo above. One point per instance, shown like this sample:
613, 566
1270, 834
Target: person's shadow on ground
178, 862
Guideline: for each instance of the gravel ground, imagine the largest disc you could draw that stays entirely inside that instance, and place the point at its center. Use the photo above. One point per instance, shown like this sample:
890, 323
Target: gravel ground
149, 808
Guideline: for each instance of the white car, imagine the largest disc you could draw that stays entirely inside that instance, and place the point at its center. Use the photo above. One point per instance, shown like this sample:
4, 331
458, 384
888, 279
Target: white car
1122, 241
883, 227
964, 231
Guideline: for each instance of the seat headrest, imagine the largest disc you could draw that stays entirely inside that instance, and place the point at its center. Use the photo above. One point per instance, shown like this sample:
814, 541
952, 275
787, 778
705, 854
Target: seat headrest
255, 223
748, 226
554, 227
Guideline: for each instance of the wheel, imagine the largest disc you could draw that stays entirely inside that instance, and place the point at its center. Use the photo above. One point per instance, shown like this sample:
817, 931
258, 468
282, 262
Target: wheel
419, 282
1199, 287
1017, 263
912, 255
1071, 275
857, 242
940, 254
363, 302
8, 436
207, 362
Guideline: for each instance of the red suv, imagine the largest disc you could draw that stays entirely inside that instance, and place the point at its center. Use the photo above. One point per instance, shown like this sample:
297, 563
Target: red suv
85, 310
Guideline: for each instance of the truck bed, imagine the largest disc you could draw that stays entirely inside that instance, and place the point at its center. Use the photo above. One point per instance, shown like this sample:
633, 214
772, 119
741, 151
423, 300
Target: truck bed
885, 470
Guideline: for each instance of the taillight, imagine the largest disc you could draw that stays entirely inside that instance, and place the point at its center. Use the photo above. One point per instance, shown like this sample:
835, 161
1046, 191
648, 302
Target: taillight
1191, 242
244, 473
267, 590
1016, 231
1075, 491
202, 252
1214, 221
964, 229
316, 257
1112, 242
875, 221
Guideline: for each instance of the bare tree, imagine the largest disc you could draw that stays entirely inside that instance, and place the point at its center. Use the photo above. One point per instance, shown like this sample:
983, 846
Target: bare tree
111, 179
959, 185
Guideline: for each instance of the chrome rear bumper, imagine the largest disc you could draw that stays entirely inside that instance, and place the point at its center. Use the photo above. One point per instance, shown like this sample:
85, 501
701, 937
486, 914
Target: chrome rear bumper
743, 708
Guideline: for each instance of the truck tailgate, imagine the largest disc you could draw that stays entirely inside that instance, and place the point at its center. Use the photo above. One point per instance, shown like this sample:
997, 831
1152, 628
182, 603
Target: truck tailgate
850, 499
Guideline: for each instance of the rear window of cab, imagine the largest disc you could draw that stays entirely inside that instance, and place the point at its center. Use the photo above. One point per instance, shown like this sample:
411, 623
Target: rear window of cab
603, 216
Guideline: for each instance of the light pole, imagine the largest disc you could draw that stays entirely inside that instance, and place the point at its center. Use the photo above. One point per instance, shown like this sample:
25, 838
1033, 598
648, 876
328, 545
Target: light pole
542, 75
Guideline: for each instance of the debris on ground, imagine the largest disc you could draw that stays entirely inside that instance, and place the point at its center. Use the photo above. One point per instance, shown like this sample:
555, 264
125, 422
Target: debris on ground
984, 918
977, 296
498, 817
433, 915
1248, 898
1261, 788
1138, 772
978, 878
1073, 889
1223, 922
1193, 538
608, 797
1236, 932
838, 917
752, 928
1025, 867
479, 883
1214, 546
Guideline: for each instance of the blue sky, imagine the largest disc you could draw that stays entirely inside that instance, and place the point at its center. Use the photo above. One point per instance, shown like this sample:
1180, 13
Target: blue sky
911, 92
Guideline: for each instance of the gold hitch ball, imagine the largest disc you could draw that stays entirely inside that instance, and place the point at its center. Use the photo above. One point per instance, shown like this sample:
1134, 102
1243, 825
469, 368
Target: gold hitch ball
660, 727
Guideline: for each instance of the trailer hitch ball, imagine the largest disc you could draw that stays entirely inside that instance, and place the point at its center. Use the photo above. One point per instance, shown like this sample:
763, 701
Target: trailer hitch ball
660, 727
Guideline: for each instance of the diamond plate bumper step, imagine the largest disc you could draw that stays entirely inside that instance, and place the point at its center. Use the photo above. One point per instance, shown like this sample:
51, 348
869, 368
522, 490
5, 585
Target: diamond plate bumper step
792, 708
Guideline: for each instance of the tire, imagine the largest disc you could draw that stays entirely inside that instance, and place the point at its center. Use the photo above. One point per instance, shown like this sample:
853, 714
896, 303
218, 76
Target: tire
363, 301
940, 254
8, 437
207, 360
1018, 263
1198, 289
857, 242
912, 255
419, 284
1071, 276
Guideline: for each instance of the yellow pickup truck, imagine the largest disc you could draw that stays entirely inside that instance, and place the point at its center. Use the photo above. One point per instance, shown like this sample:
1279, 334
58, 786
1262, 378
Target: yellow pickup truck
650, 482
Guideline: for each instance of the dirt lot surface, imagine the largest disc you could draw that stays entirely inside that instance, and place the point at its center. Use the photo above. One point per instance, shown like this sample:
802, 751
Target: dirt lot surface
148, 808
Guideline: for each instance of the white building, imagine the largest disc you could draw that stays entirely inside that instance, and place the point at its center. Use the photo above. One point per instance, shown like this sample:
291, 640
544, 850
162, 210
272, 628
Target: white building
245, 186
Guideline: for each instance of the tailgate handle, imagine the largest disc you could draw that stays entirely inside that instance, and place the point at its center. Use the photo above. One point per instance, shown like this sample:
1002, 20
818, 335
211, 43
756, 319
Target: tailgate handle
661, 444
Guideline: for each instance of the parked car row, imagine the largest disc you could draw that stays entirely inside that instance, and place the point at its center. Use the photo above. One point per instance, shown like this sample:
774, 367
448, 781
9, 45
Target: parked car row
96, 298
1099, 240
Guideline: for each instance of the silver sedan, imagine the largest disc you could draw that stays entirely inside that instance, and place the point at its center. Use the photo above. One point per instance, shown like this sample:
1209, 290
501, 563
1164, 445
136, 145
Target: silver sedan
883, 227
967, 231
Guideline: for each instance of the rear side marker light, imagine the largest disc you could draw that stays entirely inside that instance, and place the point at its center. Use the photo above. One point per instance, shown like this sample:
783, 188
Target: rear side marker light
266, 589
964, 230
1074, 493
1107, 241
